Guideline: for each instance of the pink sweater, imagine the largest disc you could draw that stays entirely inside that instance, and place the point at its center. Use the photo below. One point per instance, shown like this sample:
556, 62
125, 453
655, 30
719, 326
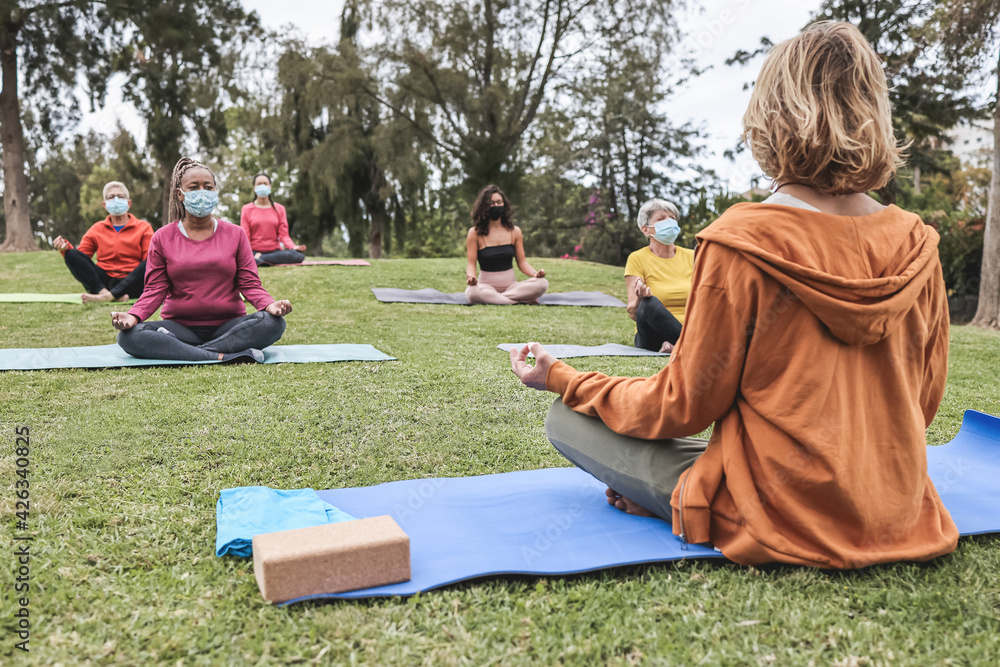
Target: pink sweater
199, 282
265, 227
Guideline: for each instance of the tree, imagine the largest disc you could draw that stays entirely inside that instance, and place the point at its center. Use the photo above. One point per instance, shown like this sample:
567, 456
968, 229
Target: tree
928, 94
971, 31
49, 43
473, 78
179, 61
624, 140
67, 186
351, 151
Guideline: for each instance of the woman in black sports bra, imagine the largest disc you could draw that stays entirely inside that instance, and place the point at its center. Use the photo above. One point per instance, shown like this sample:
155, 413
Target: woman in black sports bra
495, 242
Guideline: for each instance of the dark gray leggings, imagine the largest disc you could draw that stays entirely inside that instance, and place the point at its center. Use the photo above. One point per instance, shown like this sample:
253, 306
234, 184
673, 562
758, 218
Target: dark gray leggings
280, 257
169, 340
644, 471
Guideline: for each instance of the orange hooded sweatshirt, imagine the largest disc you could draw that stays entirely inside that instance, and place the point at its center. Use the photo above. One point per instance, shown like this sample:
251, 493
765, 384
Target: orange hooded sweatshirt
818, 345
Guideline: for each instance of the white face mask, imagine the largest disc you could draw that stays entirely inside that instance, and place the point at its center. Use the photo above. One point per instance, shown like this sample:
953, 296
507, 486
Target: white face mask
666, 231
116, 205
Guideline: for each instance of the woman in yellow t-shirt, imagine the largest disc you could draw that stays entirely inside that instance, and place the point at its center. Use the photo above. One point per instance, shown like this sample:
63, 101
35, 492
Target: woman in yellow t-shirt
658, 279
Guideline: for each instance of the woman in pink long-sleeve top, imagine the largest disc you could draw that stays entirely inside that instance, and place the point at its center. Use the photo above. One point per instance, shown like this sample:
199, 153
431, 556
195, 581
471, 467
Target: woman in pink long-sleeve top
196, 268
266, 225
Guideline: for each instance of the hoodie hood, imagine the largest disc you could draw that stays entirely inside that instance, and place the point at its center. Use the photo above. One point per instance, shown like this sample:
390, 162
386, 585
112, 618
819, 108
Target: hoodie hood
860, 276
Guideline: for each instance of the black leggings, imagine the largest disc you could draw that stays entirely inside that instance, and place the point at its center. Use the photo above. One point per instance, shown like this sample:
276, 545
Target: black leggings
170, 340
94, 278
654, 325
280, 257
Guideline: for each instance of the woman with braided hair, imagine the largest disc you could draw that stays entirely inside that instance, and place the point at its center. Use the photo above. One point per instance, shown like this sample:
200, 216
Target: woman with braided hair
196, 268
266, 225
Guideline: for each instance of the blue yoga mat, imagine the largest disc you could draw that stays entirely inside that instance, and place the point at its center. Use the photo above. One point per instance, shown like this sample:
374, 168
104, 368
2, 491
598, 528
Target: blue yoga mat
966, 474
556, 521
112, 356
535, 522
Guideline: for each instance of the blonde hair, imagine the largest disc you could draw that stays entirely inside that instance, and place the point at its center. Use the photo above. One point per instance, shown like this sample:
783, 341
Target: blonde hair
114, 184
184, 165
819, 114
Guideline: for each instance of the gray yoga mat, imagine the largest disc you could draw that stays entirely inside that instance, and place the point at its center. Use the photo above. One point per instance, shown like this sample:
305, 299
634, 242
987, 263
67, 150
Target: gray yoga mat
328, 262
112, 356
429, 295
606, 350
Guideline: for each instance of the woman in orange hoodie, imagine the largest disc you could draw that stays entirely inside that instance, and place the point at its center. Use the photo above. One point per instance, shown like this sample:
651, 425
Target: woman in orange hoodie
816, 341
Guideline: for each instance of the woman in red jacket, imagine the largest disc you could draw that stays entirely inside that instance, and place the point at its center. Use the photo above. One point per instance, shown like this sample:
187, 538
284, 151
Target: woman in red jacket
266, 225
816, 341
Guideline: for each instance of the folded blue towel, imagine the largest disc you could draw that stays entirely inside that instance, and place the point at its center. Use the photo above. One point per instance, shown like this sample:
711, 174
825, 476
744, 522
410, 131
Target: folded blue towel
246, 511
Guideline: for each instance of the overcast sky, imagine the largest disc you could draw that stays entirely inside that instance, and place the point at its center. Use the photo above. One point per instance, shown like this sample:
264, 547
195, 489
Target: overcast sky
715, 100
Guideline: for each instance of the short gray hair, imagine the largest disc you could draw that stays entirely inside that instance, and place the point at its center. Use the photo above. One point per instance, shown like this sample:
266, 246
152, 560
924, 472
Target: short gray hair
112, 184
651, 207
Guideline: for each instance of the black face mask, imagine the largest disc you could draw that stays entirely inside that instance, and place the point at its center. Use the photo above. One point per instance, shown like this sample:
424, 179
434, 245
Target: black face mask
496, 212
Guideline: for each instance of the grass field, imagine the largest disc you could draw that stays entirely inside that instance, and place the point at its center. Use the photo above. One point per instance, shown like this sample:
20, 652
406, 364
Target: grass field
126, 466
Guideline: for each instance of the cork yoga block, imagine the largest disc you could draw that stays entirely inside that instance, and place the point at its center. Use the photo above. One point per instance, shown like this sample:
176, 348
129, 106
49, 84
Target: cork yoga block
331, 558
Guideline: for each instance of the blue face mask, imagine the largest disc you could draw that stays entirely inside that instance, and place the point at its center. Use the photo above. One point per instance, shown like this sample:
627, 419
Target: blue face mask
262, 190
200, 203
116, 205
666, 231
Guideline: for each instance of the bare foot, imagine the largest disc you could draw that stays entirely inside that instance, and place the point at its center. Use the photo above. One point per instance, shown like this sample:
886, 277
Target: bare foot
123, 298
667, 348
103, 295
626, 505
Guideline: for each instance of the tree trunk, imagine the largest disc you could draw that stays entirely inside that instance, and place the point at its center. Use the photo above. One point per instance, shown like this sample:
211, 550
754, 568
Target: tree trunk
916, 180
377, 213
399, 225
166, 175
988, 312
15, 195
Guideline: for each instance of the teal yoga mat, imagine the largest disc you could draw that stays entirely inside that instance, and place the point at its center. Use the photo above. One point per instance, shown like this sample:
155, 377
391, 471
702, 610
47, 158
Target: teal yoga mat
112, 356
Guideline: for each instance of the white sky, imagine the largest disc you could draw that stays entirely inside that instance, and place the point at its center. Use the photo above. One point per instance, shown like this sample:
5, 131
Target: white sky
715, 100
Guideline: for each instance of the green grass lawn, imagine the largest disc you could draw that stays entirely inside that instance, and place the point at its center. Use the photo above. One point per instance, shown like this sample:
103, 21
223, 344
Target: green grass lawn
126, 466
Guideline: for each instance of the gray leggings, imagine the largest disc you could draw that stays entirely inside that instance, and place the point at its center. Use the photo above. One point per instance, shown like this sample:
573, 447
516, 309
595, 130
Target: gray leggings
644, 471
170, 340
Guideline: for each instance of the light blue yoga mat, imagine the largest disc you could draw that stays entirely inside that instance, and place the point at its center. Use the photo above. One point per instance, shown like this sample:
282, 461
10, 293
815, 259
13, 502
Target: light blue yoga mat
557, 521
112, 356
606, 350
